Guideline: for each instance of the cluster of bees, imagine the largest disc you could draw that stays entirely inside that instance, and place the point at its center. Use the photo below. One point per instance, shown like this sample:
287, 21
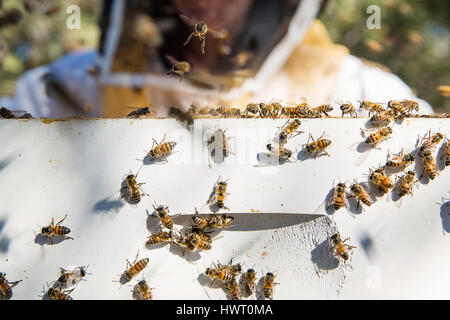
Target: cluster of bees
227, 276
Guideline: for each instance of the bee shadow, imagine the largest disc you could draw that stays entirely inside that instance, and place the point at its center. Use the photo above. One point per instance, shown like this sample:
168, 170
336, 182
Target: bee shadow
152, 223
147, 161
5, 162
4, 240
322, 256
267, 159
42, 239
445, 216
185, 254
354, 208
440, 159
375, 191
106, 205
367, 245
420, 170
207, 282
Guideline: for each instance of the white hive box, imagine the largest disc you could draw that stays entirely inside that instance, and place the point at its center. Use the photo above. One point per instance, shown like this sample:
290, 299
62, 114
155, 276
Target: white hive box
50, 168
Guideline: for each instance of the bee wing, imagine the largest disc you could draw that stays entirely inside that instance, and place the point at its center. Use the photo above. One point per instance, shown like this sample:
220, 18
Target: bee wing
218, 34
347, 207
189, 21
171, 59
362, 158
354, 146
398, 203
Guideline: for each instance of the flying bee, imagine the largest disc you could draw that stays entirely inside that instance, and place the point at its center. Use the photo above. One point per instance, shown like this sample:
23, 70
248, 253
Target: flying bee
251, 110
325, 108
162, 237
197, 241
383, 118
347, 108
340, 248
268, 284
178, 67
134, 268
282, 154
289, 130
317, 146
377, 136
162, 150
162, 212
56, 294
400, 160
53, 230
5, 286
141, 112
200, 31
229, 112
220, 193
373, 107
429, 165
144, 291
250, 282
361, 193
233, 288
133, 188
430, 143
379, 178
71, 277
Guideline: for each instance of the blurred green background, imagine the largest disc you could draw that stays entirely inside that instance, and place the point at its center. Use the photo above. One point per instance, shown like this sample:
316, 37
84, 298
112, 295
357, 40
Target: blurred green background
413, 41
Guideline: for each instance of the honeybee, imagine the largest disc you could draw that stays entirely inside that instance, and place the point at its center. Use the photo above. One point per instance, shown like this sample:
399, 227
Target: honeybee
220, 221
250, 282
144, 291
222, 144
133, 188
379, 178
340, 249
181, 115
162, 212
200, 31
220, 192
268, 284
204, 236
135, 267
400, 160
141, 112
317, 146
197, 241
429, 143
429, 165
373, 107
288, 130
198, 221
233, 288
184, 242
52, 230
404, 107
178, 67
56, 294
221, 275
360, 192
282, 153
339, 198
271, 109
377, 136
251, 108
348, 108
235, 269
162, 237
5, 288
11, 114
383, 118
71, 277
301, 110
406, 183
325, 108
228, 112
162, 149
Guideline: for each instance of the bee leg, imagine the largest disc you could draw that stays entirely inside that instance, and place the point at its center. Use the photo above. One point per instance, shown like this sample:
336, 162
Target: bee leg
188, 39
203, 44
61, 220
